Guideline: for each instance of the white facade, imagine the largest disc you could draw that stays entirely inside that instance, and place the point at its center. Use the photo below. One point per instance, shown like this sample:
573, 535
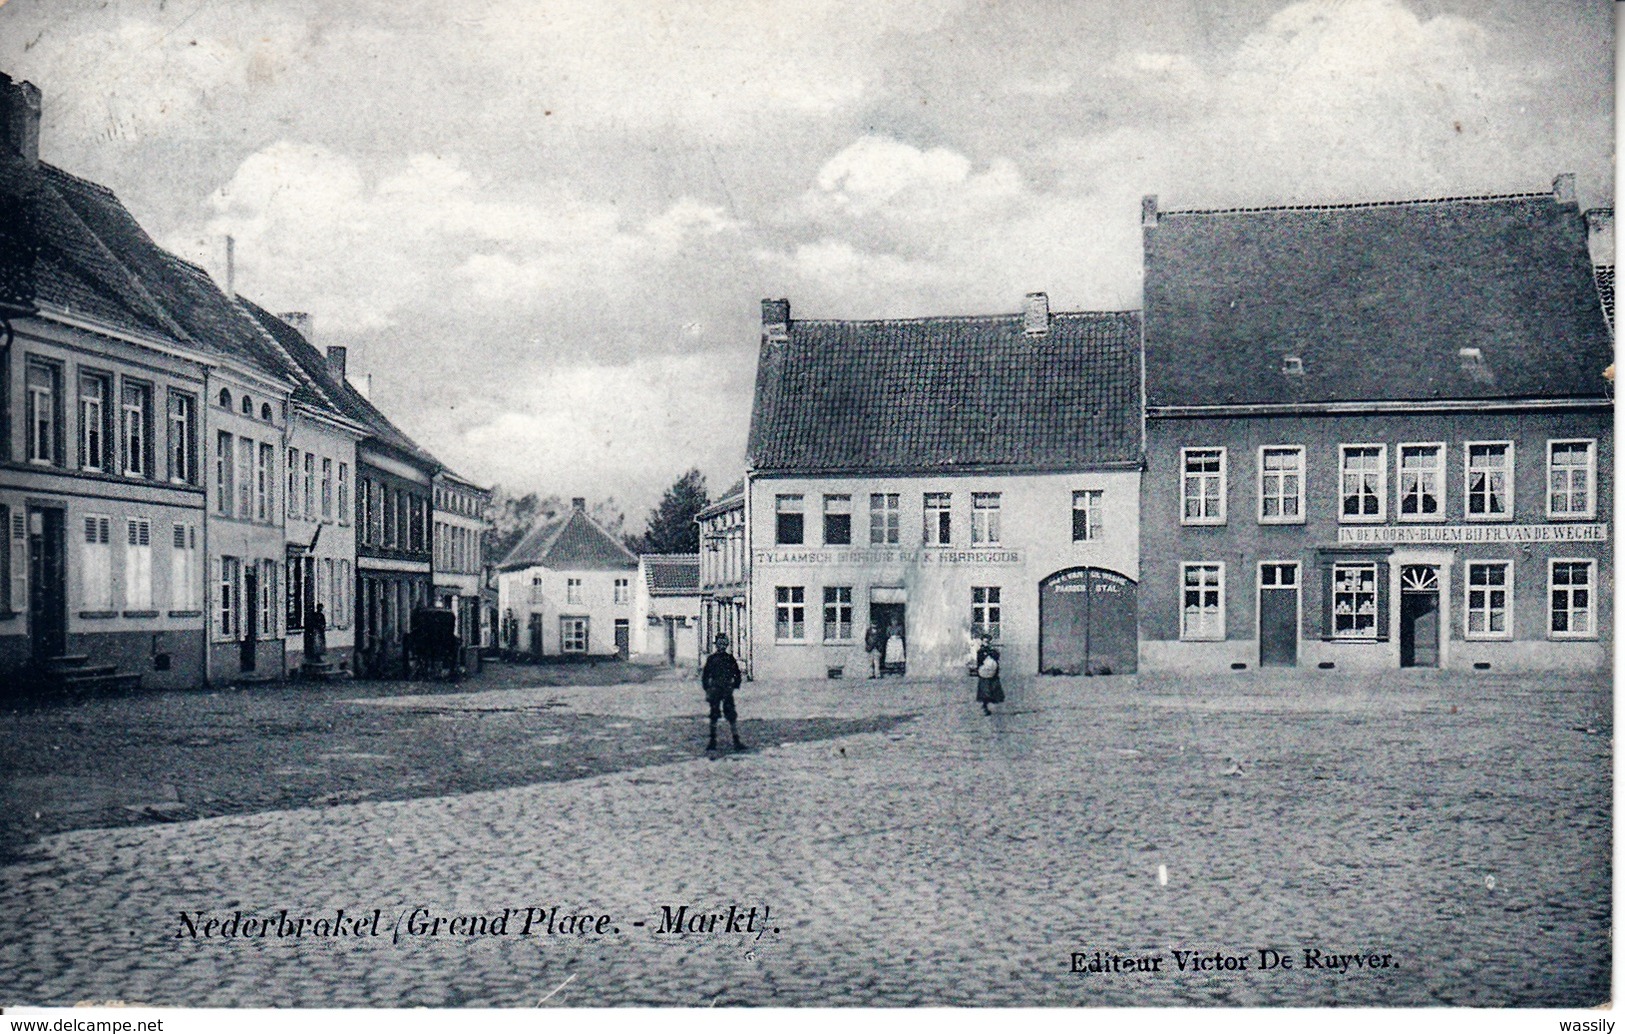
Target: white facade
665, 624
568, 612
319, 502
948, 556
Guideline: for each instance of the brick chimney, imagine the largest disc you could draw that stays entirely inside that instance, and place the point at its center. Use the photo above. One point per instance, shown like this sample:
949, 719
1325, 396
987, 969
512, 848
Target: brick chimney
578, 503
336, 357
1035, 314
299, 321
19, 118
775, 320
1564, 191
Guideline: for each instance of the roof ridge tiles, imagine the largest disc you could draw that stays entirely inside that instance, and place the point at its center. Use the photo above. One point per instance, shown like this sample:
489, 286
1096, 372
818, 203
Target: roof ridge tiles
1344, 205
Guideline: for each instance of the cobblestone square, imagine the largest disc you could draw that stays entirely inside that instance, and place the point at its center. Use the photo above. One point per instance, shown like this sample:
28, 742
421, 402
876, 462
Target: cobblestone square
1459, 825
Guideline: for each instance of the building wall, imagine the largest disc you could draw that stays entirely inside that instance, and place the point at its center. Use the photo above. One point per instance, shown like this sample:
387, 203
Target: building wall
541, 594
325, 517
1534, 538
160, 637
724, 582
937, 582
394, 575
459, 534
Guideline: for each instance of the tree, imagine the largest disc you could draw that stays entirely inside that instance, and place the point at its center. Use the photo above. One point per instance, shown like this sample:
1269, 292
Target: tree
515, 516
671, 524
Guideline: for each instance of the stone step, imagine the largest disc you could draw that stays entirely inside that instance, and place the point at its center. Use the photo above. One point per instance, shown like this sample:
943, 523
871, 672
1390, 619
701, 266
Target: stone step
65, 662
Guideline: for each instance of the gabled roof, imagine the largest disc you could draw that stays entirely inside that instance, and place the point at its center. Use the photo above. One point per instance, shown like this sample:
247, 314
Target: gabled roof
947, 393
671, 574
571, 541
1379, 302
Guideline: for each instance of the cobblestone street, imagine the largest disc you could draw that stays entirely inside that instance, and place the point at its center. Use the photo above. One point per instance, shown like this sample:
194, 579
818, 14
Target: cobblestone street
1460, 825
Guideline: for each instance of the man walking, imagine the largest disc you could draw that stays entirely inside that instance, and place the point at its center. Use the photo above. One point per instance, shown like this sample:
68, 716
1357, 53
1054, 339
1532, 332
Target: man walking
720, 679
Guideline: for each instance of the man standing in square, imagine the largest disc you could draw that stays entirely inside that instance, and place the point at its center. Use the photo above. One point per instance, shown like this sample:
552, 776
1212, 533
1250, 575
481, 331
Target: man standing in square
720, 678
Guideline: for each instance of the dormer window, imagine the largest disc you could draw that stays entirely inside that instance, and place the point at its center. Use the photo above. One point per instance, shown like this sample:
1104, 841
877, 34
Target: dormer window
225, 399
248, 406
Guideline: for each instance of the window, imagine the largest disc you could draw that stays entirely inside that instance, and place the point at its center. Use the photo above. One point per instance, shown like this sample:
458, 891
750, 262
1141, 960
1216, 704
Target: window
837, 520
224, 479
420, 522
985, 617
94, 420
388, 516
138, 564
1354, 601
293, 483
837, 613
1086, 514
344, 492
11, 538
1571, 469
44, 386
226, 615
1280, 484
183, 569
297, 578
1489, 599
1489, 480
97, 583
883, 519
1421, 482
137, 407
572, 590
182, 438
787, 520
248, 406
938, 518
327, 489
623, 590
310, 486
225, 399
264, 506
345, 595
1364, 476
1570, 613
265, 412
573, 635
1278, 576
245, 479
1202, 614
1202, 486
984, 518
790, 622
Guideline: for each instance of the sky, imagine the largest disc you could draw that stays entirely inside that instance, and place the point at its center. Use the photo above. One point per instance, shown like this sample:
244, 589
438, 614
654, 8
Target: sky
545, 227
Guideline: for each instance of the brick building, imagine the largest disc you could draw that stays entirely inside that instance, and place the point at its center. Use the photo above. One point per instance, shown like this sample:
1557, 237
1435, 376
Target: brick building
1377, 436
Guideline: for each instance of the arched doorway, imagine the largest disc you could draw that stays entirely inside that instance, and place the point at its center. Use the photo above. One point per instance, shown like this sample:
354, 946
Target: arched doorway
1087, 623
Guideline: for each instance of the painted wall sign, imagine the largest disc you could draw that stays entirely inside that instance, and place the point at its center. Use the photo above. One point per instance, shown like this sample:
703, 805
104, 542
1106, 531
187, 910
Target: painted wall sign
1470, 533
922, 557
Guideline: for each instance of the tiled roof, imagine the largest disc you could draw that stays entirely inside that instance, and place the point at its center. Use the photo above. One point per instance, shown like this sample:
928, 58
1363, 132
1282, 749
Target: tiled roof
672, 574
1605, 291
570, 541
1377, 302
955, 392
732, 498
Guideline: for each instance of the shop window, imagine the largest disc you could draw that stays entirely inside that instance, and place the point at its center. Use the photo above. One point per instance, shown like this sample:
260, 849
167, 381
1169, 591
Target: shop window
1363, 476
1571, 613
1421, 482
1087, 514
1280, 485
986, 613
984, 518
1202, 486
1354, 601
837, 613
788, 523
938, 518
884, 512
1489, 599
1489, 480
1202, 609
1571, 470
790, 618
837, 520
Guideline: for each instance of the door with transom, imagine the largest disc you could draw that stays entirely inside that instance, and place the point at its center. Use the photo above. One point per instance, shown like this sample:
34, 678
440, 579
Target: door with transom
1419, 616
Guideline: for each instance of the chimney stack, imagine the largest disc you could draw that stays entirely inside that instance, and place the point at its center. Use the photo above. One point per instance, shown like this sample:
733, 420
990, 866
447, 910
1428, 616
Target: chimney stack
301, 322
1600, 235
775, 320
1035, 314
19, 118
1564, 191
579, 503
1148, 211
336, 357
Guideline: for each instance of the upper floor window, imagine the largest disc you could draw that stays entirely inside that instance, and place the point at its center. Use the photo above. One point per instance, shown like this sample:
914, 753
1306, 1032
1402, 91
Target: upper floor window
293, 483
245, 479
1086, 514
327, 488
310, 486
572, 590
837, 520
938, 518
264, 475
1489, 480
225, 399
1421, 482
788, 519
984, 518
1571, 470
137, 406
265, 412
1363, 481
1280, 484
344, 492
883, 519
225, 479
623, 590
248, 406
44, 385
95, 421
182, 438
1202, 486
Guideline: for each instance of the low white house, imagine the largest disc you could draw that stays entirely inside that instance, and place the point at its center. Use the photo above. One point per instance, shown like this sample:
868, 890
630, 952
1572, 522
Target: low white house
566, 590
666, 609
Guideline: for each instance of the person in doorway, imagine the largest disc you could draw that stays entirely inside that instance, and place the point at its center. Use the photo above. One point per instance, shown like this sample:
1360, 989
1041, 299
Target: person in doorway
720, 678
989, 690
896, 651
315, 634
872, 643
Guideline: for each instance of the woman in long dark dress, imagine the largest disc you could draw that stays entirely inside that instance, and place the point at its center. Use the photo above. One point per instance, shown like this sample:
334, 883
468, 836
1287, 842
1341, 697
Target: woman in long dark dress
989, 690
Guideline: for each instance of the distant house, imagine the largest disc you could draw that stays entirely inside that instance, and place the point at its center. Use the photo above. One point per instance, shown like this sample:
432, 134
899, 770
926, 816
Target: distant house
666, 608
566, 590
724, 573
